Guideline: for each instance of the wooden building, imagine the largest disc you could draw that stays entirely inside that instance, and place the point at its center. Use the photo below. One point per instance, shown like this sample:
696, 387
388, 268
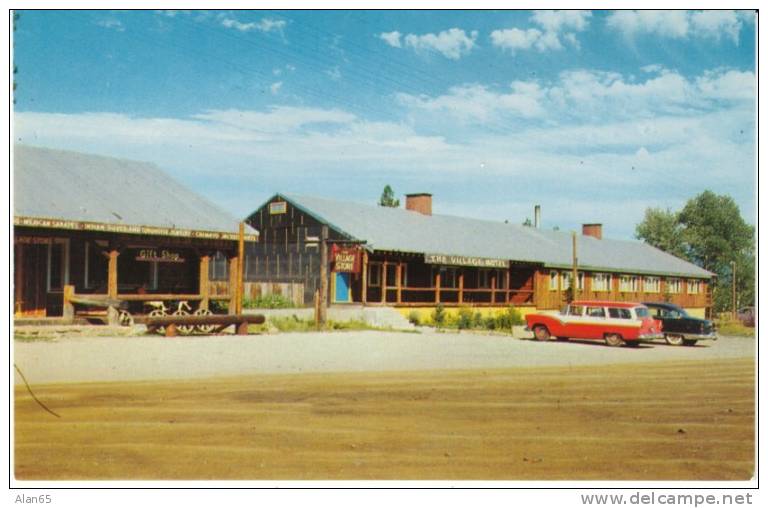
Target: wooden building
412, 258
114, 229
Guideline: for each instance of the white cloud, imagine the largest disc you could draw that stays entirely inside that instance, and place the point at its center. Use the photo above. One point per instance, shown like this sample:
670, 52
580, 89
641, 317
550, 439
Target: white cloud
553, 24
391, 38
278, 119
270, 25
679, 24
265, 25
452, 43
274, 88
555, 21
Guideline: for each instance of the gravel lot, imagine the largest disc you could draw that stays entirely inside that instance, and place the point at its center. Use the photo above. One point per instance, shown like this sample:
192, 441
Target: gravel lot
84, 359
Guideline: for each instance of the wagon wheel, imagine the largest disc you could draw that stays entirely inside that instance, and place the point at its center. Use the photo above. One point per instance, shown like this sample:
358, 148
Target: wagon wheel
124, 318
184, 329
158, 313
541, 333
674, 340
613, 339
205, 329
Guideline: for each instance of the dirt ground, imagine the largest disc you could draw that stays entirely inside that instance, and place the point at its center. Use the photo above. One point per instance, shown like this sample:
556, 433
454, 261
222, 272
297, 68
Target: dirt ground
691, 420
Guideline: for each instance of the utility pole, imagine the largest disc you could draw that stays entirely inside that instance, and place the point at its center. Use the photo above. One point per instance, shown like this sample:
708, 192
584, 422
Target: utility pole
323, 304
575, 273
733, 289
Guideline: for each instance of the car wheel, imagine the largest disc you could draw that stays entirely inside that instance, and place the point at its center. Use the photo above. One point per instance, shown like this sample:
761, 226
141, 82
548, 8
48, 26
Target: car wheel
613, 339
674, 340
689, 342
541, 333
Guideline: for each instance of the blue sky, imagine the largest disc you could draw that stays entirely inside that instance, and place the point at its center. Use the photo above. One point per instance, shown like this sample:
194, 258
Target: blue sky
594, 115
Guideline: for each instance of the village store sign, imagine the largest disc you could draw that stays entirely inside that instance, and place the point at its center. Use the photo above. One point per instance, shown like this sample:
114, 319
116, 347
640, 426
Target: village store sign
345, 259
441, 259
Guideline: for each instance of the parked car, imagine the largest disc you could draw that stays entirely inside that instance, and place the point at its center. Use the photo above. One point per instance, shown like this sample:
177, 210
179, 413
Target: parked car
747, 316
678, 327
616, 323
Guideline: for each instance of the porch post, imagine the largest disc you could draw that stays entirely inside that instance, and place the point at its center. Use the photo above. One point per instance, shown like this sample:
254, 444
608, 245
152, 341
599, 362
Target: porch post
383, 280
233, 271
507, 291
493, 287
461, 285
399, 282
364, 292
112, 273
205, 286
68, 310
437, 286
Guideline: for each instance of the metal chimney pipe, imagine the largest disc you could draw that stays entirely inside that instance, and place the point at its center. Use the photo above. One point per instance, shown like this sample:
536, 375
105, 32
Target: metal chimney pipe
537, 216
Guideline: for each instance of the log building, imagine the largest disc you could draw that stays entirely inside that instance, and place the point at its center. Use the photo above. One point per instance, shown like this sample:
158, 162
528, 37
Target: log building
412, 258
114, 229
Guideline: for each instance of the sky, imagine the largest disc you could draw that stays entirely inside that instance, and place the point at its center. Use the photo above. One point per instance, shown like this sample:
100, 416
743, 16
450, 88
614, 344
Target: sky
596, 116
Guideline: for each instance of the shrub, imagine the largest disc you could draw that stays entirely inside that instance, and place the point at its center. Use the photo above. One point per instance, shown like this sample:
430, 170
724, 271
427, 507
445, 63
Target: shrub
272, 301
508, 318
478, 321
489, 323
414, 318
464, 319
439, 315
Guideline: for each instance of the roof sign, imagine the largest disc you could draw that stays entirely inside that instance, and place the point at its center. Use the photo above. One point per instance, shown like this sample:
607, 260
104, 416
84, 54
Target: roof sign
278, 208
441, 259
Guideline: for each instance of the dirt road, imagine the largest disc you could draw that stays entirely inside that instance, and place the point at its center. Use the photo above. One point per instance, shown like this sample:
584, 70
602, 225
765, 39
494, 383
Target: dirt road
690, 420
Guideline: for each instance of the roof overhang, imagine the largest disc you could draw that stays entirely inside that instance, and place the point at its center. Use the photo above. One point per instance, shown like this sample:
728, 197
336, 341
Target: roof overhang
42, 222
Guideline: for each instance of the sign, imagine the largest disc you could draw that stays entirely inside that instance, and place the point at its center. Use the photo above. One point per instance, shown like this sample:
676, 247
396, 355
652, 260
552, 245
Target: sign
161, 256
32, 240
345, 259
278, 208
441, 259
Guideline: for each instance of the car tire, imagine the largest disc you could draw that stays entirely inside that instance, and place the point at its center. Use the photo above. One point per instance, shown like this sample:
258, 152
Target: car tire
541, 333
674, 340
613, 339
689, 342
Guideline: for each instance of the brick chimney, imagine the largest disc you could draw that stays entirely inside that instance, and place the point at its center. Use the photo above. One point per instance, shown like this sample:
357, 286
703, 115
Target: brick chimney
595, 230
421, 203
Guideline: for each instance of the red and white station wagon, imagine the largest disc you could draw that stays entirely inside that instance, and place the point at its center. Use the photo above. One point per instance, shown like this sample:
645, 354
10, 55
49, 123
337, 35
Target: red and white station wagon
616, 323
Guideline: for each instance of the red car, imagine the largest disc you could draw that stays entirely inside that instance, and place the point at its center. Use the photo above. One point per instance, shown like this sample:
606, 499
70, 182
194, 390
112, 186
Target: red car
616, 323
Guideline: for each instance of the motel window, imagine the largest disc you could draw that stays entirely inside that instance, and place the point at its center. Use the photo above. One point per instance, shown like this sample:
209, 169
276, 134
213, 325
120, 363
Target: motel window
674, 286
694, 287
501, 279
567, 280
601, 282
553, 280
404, 275
391, 275
652, 285
58, 253
628, 284
448, 277
374, 275
217, 269
484, 279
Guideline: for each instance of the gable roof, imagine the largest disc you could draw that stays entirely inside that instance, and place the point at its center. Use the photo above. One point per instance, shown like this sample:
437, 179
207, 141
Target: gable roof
397, 229
84, 191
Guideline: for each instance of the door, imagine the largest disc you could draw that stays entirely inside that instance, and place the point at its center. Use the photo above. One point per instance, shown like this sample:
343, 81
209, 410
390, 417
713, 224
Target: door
31, 271
342, 287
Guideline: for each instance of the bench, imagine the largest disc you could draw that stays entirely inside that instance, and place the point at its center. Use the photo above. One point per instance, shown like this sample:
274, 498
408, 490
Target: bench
172, 323
108, 310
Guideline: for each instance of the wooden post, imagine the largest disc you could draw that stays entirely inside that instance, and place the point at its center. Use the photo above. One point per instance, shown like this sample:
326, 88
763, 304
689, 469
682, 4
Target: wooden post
112, 273
493, 287
508, 287
733, 289
399, 283
575, 274
461, 285
240, 266
437, 286
364, 296
323, 274
68, 311
205, 285
383, 280
233, 271
317, 308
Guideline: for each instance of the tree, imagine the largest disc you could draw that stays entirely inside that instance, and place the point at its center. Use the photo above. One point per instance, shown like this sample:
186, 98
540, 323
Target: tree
709, 232
662, 229
527, 222
388, 198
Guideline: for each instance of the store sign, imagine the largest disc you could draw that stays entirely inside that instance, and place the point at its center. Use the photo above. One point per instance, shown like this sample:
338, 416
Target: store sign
160, 256
441, 259
345, 259
32, 240
278, 208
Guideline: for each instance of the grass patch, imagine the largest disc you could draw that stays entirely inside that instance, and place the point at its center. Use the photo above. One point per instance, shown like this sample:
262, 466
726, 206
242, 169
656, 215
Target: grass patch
273, 301
295, 324
734, 328
25, 337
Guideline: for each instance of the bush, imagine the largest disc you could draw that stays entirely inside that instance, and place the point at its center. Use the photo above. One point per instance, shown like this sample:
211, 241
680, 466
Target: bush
489, 323
439, 315
509, 318
272, 301
478, 321
464, 319
414, 318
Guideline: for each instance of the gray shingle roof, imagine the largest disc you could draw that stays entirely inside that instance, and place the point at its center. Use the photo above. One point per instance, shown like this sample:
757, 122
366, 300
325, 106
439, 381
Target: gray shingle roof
396, 229
73, 186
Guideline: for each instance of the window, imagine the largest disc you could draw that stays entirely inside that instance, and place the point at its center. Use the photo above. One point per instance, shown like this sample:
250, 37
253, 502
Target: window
391, 275
553, 280
619, 313
575, 310
374, 275
404, 275
652, 285
642, 312
218, 269
484, 279
601, 282
674, 286
694, 287
58, 272
448, 277
96, 265
501, 279
628, 284
596, 312
567, 280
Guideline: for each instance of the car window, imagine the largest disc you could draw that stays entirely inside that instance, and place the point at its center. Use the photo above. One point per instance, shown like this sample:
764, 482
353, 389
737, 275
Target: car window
575, 310
641, 312
598, 312
619, 313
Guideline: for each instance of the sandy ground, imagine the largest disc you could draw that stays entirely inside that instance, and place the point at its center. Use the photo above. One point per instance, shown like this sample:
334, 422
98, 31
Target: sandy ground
640, 421
82, 359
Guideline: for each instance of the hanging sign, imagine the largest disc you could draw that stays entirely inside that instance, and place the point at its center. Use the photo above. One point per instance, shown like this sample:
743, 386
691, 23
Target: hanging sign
278, 208
345, 259
161, 256
441, 259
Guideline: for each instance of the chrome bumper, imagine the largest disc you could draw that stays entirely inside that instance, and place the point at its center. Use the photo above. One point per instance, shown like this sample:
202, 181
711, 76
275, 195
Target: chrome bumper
648, 337
702, 336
